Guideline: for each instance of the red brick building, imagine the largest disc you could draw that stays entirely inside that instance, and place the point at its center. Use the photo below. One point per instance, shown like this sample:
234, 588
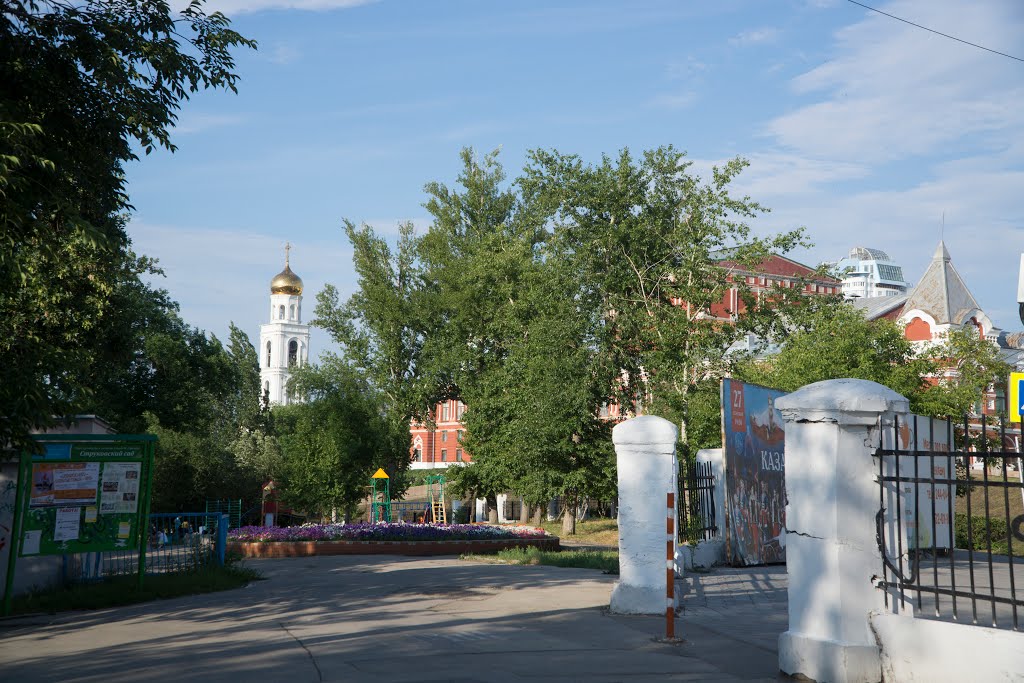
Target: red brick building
441, 446
775, 271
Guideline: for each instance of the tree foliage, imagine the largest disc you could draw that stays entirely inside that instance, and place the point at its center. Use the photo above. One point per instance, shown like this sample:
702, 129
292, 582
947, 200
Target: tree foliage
380, 327
332, 443
82, 86
539, 300
834, 340
654, 247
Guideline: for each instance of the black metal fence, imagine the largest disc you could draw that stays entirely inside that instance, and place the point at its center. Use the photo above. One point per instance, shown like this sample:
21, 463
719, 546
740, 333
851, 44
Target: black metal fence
947, 534
697, 503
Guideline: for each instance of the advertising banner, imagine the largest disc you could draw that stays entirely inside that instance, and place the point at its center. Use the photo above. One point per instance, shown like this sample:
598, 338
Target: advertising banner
753, 443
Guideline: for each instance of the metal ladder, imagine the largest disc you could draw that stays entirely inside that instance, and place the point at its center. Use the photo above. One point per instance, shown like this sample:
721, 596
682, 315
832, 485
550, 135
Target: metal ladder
437, 510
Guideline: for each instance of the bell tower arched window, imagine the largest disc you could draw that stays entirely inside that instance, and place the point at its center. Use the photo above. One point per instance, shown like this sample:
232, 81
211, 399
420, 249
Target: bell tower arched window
268, 354
280, 312
293, 352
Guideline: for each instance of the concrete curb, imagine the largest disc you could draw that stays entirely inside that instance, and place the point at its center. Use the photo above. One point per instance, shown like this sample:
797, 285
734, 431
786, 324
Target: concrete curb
268, 549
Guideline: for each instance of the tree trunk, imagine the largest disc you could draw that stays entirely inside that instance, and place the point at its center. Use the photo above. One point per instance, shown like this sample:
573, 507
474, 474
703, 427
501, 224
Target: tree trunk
569, 522
492, 510
524, 512
569, 517
538, 515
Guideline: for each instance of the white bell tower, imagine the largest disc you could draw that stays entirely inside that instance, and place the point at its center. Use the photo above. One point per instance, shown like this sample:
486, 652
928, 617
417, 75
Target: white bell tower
284, 341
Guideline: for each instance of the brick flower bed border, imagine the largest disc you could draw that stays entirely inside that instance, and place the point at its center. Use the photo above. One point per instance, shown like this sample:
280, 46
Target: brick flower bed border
267, 549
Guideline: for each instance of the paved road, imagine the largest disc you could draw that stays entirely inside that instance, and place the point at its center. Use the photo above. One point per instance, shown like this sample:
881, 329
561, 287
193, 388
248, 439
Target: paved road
389, 619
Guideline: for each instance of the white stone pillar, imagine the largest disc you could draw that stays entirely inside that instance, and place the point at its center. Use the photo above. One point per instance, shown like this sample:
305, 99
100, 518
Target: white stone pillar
645, 452
500, 500
831, 551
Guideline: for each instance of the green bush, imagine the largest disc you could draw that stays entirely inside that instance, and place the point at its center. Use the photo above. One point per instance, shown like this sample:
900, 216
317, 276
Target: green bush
997, 532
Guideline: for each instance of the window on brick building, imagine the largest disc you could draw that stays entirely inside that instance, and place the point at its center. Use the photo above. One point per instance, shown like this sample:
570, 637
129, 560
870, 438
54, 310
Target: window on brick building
444, 455
458, 435
461, 410
458, 455
444, 435
417, 455
445, 413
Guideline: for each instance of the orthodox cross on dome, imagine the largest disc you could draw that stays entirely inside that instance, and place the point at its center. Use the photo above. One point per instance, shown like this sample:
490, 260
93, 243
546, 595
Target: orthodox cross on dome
287, 248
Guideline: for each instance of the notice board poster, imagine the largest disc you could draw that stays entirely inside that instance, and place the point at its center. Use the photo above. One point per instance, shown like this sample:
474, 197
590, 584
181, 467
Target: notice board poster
927, 436
754, 444
84, 498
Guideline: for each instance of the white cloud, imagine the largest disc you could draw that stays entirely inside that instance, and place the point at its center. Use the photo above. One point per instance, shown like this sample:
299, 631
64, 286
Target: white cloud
893, 91
897, 127
686, 69
672, 100
759, 36
235, 7
189, 123
282, 53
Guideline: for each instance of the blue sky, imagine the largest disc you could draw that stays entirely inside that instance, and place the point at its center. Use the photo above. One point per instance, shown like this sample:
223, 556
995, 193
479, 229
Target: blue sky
862, 129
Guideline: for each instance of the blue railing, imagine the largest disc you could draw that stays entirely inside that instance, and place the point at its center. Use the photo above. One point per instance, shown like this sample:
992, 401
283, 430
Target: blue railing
176, 542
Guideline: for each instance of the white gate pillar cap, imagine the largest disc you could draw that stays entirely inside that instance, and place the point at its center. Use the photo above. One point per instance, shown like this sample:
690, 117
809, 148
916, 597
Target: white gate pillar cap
841, 401
644, 430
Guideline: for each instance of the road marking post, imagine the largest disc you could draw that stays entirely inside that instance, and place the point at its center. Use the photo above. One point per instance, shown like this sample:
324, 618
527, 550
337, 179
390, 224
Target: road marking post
670, 569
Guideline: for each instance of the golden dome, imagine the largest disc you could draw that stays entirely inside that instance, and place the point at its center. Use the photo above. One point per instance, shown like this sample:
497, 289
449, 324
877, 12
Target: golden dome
286, 282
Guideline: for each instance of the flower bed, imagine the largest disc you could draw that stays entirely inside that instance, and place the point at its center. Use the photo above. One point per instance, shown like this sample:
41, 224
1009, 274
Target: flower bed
383, 538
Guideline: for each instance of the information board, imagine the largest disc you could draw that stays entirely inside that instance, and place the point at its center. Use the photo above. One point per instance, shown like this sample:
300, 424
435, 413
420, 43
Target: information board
917, 432
84, 497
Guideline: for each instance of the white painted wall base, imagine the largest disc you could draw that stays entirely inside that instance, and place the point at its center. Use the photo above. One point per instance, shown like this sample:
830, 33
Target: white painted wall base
700, 556
826, 660
937, 651
629, 599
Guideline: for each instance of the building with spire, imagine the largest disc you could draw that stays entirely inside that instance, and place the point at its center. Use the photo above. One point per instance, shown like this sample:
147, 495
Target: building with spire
939, 303
284, 341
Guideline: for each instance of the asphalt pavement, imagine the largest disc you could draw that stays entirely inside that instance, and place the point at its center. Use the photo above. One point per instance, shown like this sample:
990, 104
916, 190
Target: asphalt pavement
391, 619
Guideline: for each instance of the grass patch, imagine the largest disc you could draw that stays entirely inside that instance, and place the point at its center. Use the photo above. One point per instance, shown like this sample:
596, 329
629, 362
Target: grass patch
997, 501
598, 531
605, 560
123, 590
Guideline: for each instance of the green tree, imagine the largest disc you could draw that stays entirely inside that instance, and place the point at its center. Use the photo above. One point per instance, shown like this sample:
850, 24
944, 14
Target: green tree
653, 247
82, 86
332, 443
965, 366
832, 340
380, 327
835, 340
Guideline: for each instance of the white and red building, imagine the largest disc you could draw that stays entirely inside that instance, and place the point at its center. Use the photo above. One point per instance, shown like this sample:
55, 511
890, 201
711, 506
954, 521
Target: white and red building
939, 303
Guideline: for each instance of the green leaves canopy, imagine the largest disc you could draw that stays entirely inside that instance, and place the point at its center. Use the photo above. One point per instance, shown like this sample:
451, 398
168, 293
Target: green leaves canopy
538, 301
82, 85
